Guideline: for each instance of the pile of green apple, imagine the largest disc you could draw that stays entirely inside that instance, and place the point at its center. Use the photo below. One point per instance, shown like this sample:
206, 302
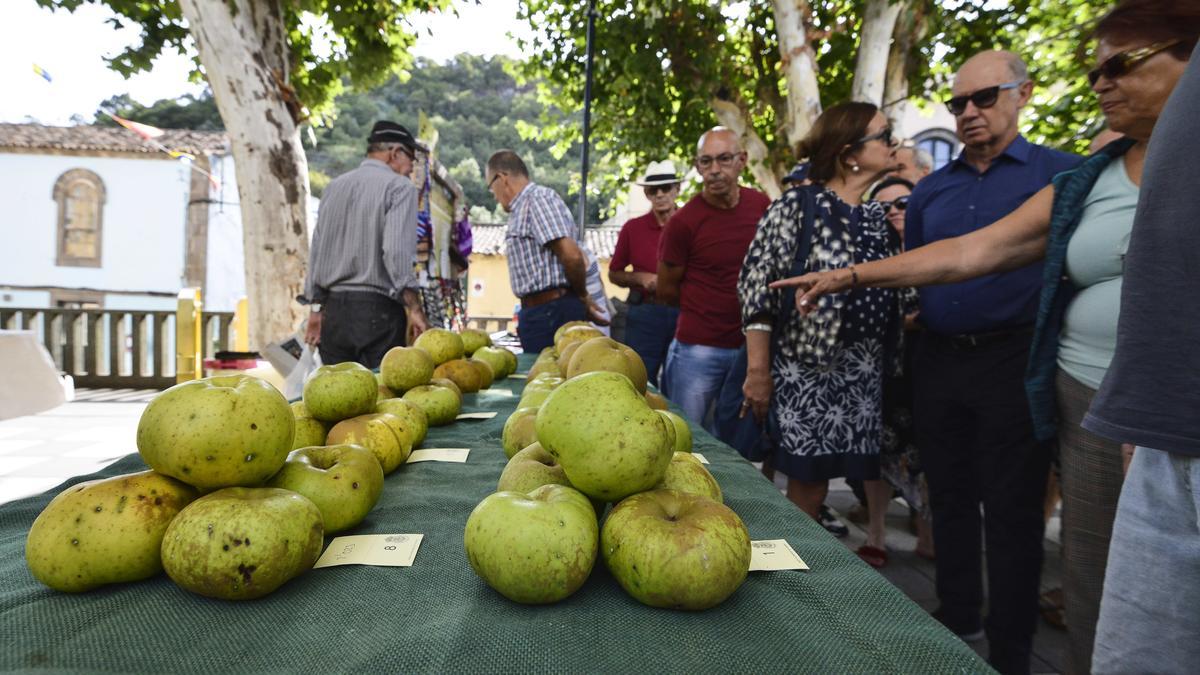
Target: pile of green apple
586, 434
242, 486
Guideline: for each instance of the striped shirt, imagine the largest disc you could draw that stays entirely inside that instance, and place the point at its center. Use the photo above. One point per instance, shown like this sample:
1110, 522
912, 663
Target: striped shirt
366, 234
538, 217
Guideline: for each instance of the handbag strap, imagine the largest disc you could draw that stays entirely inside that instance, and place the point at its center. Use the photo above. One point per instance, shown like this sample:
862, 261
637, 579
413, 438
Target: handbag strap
808, 217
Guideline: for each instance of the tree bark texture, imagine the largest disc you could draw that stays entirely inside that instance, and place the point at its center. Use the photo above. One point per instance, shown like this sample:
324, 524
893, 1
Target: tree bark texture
911, 27
874, 47
799, 68
243, 49
731, 115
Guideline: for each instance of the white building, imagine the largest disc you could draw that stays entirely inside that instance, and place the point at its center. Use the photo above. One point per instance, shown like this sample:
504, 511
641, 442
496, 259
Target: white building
98, 217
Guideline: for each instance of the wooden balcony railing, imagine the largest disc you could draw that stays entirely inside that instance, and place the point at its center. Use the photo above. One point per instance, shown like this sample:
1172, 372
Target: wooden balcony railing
117, 348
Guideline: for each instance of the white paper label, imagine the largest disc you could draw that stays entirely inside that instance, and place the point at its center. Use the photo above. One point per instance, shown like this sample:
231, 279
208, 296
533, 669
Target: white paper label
496, 392
770, 555
702, 458
476, 416
458, 455
518, 376
386, 550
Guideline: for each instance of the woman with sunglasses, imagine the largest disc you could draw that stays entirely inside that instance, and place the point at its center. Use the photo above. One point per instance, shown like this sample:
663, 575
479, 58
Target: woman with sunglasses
1080, 225
820, 381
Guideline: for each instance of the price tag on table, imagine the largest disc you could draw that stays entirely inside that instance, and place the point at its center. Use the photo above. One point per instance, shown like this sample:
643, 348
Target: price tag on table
385, 550
518, 376
771, 555
702, 458
496, 392
476, 416
458, 455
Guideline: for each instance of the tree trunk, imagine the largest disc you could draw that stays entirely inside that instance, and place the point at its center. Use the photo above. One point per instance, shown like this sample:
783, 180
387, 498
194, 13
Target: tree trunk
874, 45
911, 27
731, 115
799, 68
243, 48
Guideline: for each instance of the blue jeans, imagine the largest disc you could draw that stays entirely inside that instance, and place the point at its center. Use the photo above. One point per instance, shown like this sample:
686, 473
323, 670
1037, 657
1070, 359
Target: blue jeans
693, 377
536, 325
1150, 611
649, 329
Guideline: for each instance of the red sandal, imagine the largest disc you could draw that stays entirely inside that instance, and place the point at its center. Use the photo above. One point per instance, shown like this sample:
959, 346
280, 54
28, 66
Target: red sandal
875, 557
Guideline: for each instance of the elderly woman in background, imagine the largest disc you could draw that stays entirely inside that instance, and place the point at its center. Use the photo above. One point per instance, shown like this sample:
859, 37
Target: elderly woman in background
822, 378
1081, 226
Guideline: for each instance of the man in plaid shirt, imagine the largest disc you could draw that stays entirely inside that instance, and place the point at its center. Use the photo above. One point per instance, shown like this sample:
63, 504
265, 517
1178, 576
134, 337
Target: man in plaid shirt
546, 266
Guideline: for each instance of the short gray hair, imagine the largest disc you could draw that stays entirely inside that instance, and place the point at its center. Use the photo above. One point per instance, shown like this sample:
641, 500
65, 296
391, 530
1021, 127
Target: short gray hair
922, 158
373, 148
1017, 66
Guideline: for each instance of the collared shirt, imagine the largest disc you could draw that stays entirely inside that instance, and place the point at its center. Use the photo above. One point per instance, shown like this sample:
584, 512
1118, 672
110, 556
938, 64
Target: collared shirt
366, 234
538, 217
956, 200
637, 245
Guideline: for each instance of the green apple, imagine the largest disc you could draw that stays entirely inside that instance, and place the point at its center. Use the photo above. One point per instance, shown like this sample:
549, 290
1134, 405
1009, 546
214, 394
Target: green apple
440, 404
384, 391
531, 468
558, 333
378, 432
104, 531
242, 543
474, 340
576, 334
494, 357
217, 431
443, 345
461, 373
677, 550
564, 356
309, 430
511, 358
403, 368
608, 440
605, 353
547, 367
656, 401
486, 374
685, 473
534, 548
519, 431
683, 433
449, 384
537, 389
344, 481
412, 418
341, 391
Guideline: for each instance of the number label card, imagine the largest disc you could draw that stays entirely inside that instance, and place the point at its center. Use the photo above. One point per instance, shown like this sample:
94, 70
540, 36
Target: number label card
518, 376
476, 416
771, 555
385, 550
458, 455
702, 458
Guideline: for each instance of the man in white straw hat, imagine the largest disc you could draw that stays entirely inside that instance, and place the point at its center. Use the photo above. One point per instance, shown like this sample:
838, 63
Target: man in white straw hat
650, 324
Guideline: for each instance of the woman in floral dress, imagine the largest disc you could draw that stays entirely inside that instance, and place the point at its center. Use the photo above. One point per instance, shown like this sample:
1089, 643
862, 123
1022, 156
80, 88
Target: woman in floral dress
821, 377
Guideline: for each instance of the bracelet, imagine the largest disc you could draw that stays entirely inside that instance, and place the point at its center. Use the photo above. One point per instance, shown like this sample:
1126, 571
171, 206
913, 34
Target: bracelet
764, 327
853, 277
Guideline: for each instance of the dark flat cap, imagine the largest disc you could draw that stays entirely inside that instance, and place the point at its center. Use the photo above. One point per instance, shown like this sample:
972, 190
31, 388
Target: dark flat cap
390, 132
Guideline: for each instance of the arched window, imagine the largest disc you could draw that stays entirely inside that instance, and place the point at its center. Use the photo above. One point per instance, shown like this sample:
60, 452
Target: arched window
941, 144
80, 197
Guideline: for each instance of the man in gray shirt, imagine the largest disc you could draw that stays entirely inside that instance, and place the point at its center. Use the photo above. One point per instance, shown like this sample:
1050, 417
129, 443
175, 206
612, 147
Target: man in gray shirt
361, 284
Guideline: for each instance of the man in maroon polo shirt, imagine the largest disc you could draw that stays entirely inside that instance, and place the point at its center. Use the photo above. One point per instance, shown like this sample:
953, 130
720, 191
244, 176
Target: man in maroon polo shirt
650, 324
700, 255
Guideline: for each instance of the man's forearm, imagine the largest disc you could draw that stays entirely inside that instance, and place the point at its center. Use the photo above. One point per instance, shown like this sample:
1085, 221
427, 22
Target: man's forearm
576, 273
623, 278
412, 300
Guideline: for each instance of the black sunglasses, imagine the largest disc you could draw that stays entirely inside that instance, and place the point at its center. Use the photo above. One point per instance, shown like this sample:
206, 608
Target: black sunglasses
983, 98
885, 135
657, 189
900, 204
493, 180
1121, 63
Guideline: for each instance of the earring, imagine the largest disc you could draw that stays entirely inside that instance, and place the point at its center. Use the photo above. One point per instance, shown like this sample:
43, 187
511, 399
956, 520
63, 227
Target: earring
854, 168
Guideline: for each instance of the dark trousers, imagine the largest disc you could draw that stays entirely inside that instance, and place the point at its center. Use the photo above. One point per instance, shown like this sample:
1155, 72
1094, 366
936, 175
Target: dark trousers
649, 329
977, 447
536, 325
361, 326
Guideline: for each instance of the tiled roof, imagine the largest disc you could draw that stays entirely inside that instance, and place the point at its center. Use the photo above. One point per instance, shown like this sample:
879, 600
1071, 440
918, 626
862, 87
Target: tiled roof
488, 239
111, 139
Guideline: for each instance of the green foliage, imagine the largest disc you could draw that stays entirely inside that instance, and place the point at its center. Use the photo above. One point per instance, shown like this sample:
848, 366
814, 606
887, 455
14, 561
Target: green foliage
185, 112
477, 108
368, 41
660, 62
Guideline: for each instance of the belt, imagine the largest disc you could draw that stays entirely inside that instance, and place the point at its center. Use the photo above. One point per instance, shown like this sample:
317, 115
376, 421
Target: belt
542, 297
976, 340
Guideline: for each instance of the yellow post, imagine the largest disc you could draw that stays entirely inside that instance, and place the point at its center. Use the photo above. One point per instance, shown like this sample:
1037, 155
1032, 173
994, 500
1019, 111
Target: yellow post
189, 355
241, 326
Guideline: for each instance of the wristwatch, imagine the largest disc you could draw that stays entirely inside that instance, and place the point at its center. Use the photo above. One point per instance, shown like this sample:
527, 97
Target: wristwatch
314, 307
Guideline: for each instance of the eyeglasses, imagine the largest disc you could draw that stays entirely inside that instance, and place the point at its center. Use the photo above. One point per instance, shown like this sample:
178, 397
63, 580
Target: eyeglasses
884, 135
723, 159
1121, 63
899, 204
493, 180
983, 98
659, 189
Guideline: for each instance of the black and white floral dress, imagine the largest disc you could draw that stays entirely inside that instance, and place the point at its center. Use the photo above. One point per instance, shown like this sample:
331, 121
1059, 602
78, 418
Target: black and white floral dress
827, 367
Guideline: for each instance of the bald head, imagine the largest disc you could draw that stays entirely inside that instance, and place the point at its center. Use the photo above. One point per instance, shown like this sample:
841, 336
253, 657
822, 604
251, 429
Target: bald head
720, 135
994, 63
719, 161
998, 85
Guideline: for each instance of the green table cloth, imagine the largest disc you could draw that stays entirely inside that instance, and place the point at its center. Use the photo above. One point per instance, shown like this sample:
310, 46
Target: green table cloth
437, 616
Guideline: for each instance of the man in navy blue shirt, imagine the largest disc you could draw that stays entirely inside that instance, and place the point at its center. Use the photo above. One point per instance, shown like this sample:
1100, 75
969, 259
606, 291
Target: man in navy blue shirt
971, 416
